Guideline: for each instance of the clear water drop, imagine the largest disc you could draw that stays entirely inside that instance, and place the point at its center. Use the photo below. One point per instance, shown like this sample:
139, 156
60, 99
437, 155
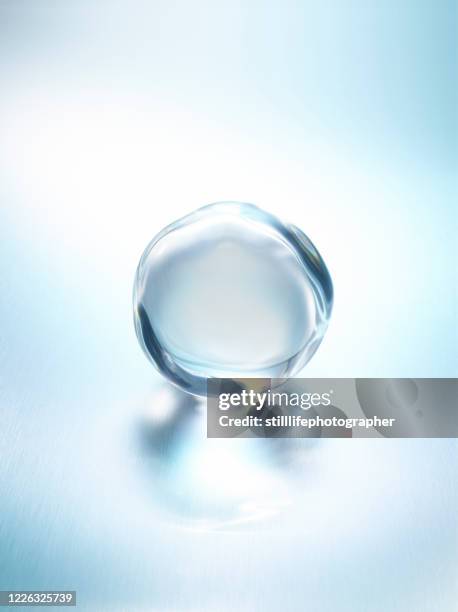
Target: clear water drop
230, 291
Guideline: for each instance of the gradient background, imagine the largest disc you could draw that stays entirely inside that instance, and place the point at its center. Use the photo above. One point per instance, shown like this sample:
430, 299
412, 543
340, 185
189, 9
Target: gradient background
116, 118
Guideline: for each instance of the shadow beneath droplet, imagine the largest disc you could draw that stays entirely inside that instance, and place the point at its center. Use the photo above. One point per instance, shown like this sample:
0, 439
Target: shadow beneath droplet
214, 483
167, 420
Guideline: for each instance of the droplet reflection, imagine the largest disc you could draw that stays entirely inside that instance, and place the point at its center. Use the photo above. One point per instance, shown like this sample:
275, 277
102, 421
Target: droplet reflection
213, 483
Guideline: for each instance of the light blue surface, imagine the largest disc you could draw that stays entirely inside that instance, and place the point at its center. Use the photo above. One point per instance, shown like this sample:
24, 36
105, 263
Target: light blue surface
117, 118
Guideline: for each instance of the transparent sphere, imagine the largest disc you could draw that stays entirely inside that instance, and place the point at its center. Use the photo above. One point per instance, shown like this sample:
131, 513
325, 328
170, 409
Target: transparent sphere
229, 291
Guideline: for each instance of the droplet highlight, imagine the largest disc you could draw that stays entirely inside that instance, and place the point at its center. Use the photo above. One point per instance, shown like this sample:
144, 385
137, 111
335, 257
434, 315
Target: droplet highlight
230, 291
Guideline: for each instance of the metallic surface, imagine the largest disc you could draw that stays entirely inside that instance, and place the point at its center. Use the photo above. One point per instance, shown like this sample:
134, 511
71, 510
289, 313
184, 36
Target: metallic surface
117, 117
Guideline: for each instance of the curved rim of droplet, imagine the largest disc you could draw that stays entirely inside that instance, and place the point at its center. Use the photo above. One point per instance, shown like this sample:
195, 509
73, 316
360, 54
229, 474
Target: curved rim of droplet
293, 238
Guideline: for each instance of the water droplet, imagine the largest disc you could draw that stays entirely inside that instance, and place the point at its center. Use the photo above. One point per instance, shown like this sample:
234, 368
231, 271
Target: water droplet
230, 291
